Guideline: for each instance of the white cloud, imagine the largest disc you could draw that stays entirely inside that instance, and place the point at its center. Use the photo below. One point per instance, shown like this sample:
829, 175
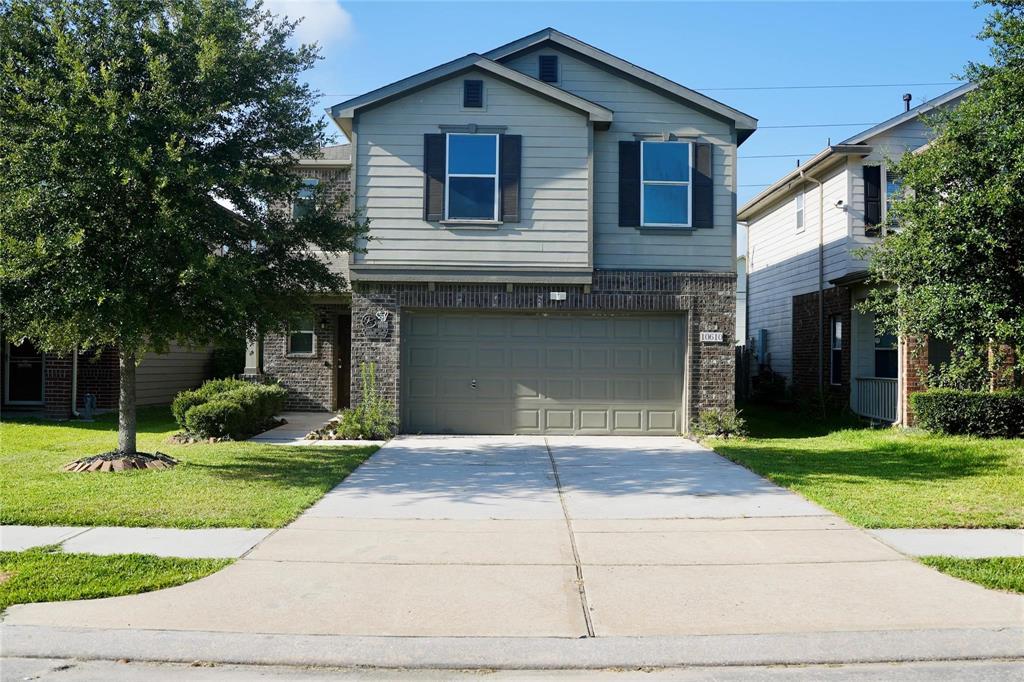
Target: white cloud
324, 21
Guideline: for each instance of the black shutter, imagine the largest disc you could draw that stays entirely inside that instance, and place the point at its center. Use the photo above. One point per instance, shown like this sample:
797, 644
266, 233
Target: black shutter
433, 176
703, 186
511, 162
629, 184
872, 195
547, 68
472, 94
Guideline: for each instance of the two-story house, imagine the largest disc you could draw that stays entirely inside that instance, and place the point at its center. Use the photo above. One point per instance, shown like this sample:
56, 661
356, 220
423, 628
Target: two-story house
805, 274
552, 248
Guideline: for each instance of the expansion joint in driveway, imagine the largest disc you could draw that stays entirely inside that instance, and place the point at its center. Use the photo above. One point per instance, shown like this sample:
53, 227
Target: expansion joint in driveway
572, 542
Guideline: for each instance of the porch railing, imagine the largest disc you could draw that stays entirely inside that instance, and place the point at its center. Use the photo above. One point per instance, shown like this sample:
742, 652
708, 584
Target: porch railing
876, 398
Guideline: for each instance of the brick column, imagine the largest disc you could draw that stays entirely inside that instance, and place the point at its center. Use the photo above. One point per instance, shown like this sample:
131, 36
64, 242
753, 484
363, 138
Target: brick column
913, 373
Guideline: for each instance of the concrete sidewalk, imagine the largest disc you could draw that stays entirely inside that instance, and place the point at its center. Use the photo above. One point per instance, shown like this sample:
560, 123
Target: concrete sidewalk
297, 425
966, 543
520, 551
209, 543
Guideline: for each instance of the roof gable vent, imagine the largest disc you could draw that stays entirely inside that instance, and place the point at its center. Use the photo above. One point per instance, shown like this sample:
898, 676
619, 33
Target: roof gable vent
548, 68
472, 94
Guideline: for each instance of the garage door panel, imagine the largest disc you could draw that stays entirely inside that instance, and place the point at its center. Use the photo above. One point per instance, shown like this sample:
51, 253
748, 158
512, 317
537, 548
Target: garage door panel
541, 374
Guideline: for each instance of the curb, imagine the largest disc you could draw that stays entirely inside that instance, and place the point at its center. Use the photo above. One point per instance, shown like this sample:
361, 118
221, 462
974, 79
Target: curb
535, 653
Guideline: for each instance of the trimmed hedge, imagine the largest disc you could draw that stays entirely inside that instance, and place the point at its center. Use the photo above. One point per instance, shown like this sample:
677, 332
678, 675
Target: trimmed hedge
228, 407
997, 414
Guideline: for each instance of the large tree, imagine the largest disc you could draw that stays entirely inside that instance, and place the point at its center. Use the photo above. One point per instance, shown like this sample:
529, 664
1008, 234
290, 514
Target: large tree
955, 261
126, 127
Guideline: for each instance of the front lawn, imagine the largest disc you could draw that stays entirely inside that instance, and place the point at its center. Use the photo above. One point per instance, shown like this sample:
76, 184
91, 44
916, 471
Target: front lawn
215, 485
885, 478
998, 573
47, 574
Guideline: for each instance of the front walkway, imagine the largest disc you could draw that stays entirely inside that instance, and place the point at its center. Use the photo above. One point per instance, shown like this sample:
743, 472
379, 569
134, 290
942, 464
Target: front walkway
297, 425
638, 545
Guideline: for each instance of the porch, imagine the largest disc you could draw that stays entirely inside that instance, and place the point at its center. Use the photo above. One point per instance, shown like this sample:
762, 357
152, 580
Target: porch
874, 370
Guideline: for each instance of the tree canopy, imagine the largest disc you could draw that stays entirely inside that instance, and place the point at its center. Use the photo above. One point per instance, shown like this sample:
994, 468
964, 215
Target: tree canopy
126, 129
954, 257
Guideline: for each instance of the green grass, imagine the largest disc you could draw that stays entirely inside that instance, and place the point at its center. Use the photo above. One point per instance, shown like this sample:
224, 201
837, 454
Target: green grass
215, 485
886, 478
999, 573
47, 574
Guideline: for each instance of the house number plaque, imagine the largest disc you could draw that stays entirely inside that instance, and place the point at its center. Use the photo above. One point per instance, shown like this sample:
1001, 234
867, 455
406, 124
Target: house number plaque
712, 337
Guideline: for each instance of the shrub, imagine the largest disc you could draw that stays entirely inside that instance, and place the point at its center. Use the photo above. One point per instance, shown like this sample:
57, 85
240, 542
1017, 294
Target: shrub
997, 414
720, 424
255, 405
373, 419
216, 418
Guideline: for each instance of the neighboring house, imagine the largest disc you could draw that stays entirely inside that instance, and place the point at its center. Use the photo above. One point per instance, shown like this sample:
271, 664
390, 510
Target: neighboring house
802, 234
741, 299
552, 230
36, 382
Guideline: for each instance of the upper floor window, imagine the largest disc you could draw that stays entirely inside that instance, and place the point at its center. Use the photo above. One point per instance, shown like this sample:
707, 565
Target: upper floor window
304, 199
893, 186
800, 211
547, 68
473, 94
302, 339
665, 199
471, 180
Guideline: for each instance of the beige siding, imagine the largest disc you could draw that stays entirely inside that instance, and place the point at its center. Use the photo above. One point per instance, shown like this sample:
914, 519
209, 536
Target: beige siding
553, 230
783, 261
640, 110
160, 377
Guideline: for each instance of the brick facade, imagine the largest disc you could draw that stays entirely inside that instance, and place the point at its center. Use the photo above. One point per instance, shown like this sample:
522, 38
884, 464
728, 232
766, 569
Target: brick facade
806, 339
707, 298
913, 374
310, 379
98, 374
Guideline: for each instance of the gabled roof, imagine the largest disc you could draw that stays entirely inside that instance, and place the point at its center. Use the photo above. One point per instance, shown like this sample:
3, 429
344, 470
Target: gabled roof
344, 111
853, 146
923, 108
745, 124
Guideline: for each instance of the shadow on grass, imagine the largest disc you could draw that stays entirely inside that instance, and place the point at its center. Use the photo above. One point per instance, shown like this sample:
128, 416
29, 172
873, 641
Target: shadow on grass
288, 466
155, 419
768, 422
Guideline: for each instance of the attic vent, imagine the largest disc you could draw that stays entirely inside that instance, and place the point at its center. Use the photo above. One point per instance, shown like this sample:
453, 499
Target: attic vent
548, 68
473, 94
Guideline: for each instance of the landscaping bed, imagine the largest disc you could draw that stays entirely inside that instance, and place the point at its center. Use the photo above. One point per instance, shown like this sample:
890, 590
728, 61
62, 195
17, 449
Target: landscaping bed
48, 574
227, 484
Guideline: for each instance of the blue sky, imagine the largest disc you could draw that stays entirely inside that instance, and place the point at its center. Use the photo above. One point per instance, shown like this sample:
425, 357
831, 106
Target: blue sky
703, 45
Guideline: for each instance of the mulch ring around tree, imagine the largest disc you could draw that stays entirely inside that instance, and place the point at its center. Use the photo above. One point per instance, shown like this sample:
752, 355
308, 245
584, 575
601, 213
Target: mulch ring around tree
120, 461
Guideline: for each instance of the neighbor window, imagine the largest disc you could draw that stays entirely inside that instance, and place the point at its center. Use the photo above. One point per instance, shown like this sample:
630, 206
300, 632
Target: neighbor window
836, 346
471, 183
665, 183
892, 190
304, 199
885, 356
301, 338
800, 211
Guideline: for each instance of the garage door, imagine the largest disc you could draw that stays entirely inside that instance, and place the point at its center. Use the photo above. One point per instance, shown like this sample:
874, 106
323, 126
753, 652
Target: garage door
541, 374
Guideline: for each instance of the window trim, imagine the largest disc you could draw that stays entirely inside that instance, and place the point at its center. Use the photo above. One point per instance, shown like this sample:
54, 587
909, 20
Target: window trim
676, 183
495, 215
886, 197
313, 346
799, 203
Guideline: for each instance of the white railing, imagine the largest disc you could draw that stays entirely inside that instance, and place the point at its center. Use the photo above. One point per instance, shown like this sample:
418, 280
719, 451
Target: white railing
876, 398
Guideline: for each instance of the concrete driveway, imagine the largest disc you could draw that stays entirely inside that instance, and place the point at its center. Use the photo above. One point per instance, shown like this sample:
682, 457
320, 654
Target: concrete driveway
555, 537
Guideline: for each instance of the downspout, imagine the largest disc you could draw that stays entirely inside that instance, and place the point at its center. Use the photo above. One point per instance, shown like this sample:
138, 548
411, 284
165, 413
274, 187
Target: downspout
74, 382
821, 287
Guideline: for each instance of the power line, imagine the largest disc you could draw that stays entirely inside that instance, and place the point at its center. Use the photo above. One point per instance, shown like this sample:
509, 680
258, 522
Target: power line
831, 87
775, 156
816, 125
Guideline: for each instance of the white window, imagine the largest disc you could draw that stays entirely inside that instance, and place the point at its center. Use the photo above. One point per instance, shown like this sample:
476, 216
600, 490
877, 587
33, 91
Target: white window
304, 199
835, 375
665, 197
800, 211
892, 190
302, 338
471, 181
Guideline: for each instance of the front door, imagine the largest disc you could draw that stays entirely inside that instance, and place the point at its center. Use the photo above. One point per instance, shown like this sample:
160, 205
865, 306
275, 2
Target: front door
343, 362
23, 374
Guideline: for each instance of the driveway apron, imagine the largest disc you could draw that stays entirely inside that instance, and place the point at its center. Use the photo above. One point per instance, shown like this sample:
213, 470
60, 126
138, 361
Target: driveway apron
555, 537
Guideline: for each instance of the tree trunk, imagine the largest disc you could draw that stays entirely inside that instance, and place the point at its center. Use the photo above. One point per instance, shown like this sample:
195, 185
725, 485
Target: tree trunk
126, 405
